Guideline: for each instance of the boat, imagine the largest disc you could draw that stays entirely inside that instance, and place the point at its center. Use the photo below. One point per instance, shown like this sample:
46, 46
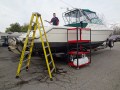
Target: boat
57, 35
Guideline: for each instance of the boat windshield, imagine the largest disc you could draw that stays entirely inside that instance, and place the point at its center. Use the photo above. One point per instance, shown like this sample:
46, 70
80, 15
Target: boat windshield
92, 16
78, 15
74, 16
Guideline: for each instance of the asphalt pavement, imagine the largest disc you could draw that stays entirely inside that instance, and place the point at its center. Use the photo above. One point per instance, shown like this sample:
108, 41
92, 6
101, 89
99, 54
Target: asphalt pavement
102, 74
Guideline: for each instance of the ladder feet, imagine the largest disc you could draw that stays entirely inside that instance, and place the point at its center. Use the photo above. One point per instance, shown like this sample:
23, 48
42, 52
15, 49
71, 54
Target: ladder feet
51, 79
26, 68
17, 77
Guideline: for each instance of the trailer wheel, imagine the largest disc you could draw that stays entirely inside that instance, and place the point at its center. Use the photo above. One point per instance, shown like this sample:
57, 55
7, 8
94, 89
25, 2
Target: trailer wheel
111, 43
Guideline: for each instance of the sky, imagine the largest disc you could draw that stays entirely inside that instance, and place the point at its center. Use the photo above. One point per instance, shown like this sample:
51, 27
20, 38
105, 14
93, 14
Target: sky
12, 11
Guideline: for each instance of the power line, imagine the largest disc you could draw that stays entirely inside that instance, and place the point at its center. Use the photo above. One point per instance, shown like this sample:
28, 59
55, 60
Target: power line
66, 3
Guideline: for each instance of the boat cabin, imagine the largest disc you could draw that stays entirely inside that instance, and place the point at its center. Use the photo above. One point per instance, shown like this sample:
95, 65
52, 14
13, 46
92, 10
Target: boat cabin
80, 17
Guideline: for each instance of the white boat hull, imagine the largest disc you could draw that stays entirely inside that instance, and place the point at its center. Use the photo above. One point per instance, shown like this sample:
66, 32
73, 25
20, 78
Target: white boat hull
57, 37
59, 34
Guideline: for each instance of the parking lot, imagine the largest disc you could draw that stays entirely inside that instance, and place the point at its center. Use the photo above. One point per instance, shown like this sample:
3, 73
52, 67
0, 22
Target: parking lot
102, 74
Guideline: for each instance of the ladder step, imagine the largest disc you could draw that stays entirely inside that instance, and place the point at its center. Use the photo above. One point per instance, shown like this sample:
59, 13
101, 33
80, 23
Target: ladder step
30, 38
48, 55
27, 52
46, 46
25, 60
24, 67
28, 45
52, 70
34, 22
50, 62
32, 30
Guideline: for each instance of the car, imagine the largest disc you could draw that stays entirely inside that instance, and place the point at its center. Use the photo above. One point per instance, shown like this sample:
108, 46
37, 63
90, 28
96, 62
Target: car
118, 38
4, 42
113, 38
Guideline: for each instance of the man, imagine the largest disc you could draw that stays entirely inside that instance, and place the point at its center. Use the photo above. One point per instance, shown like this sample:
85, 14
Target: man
54, 20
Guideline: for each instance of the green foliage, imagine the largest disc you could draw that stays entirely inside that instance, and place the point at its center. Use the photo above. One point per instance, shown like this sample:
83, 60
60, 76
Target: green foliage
7, 30
15, 27
24, 28
116, 30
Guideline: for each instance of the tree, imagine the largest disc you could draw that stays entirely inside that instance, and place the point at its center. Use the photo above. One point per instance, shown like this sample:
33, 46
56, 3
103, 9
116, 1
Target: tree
15, 27
116, 30
24, 28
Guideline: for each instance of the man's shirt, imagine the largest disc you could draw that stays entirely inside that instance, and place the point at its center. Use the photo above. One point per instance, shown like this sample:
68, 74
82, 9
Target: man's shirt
55, 21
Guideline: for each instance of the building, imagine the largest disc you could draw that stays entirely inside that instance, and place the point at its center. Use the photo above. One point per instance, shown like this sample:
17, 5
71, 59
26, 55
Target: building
3, 35
3, 39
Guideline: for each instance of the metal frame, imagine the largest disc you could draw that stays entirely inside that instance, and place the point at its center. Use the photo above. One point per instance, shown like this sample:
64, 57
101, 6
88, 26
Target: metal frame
77, 43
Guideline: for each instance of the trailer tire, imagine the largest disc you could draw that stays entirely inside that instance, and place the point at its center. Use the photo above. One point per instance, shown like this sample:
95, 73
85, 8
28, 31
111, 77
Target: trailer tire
111, 43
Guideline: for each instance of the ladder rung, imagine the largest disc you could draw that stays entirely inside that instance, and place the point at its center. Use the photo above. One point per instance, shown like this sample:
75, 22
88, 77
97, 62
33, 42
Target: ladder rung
32, 30
27, 52
30, 38
48, 54
23, 68
46, 46
50, 62
25, 60
28, 45
52, 70
34, 22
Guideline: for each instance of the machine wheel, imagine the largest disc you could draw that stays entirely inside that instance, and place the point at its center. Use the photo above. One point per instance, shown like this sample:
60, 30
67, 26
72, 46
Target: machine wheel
111, 43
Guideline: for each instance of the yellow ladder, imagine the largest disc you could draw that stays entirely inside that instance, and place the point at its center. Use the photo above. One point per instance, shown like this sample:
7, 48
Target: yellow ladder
36, 23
